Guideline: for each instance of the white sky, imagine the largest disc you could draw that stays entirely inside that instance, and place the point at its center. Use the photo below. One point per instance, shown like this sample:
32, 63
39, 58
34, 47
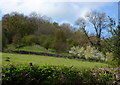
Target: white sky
59, 10
56, 9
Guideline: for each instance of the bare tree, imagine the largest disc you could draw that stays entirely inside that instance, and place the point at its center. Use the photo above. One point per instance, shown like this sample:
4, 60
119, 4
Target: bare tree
81, 22
98, 20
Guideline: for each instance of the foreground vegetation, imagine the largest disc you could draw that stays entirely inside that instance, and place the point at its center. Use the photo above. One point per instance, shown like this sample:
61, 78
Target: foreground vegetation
42, 60
54, 75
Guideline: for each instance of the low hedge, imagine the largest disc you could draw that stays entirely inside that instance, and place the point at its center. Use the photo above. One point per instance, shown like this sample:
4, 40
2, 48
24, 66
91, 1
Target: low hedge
53, 75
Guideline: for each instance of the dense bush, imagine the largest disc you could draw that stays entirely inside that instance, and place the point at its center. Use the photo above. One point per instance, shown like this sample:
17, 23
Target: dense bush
60, 41
89, 53
29, 40
110, 59
52, 75
46, 41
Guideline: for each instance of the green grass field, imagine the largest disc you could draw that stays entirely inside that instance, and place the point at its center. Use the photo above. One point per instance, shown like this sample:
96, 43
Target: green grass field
38, 48
34, 48
42, 60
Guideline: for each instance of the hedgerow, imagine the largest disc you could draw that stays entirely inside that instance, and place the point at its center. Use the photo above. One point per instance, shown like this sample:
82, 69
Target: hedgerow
53, 75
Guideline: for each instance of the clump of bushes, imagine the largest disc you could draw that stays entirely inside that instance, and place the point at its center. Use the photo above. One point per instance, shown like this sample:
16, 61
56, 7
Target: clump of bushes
52, 75
111, 60
29, 40
89, 53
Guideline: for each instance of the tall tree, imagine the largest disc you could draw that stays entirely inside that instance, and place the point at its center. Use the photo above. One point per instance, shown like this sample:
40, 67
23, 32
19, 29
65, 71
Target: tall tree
99, 21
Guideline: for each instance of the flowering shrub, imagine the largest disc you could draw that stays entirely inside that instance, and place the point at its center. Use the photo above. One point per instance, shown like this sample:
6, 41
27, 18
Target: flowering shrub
77, 51
89, 53
109, 57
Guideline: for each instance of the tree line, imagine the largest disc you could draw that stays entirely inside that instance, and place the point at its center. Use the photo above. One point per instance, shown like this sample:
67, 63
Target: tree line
19, 30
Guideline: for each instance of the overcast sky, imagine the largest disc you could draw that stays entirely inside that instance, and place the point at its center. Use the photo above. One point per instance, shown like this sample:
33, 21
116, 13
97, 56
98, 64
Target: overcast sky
60, 10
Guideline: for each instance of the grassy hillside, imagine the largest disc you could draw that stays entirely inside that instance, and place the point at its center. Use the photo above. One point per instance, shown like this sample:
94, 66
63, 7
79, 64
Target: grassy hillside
38, 48
41, 60
34, 48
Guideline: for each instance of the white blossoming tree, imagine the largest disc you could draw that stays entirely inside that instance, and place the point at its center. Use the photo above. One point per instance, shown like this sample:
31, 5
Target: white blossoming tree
87, 53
